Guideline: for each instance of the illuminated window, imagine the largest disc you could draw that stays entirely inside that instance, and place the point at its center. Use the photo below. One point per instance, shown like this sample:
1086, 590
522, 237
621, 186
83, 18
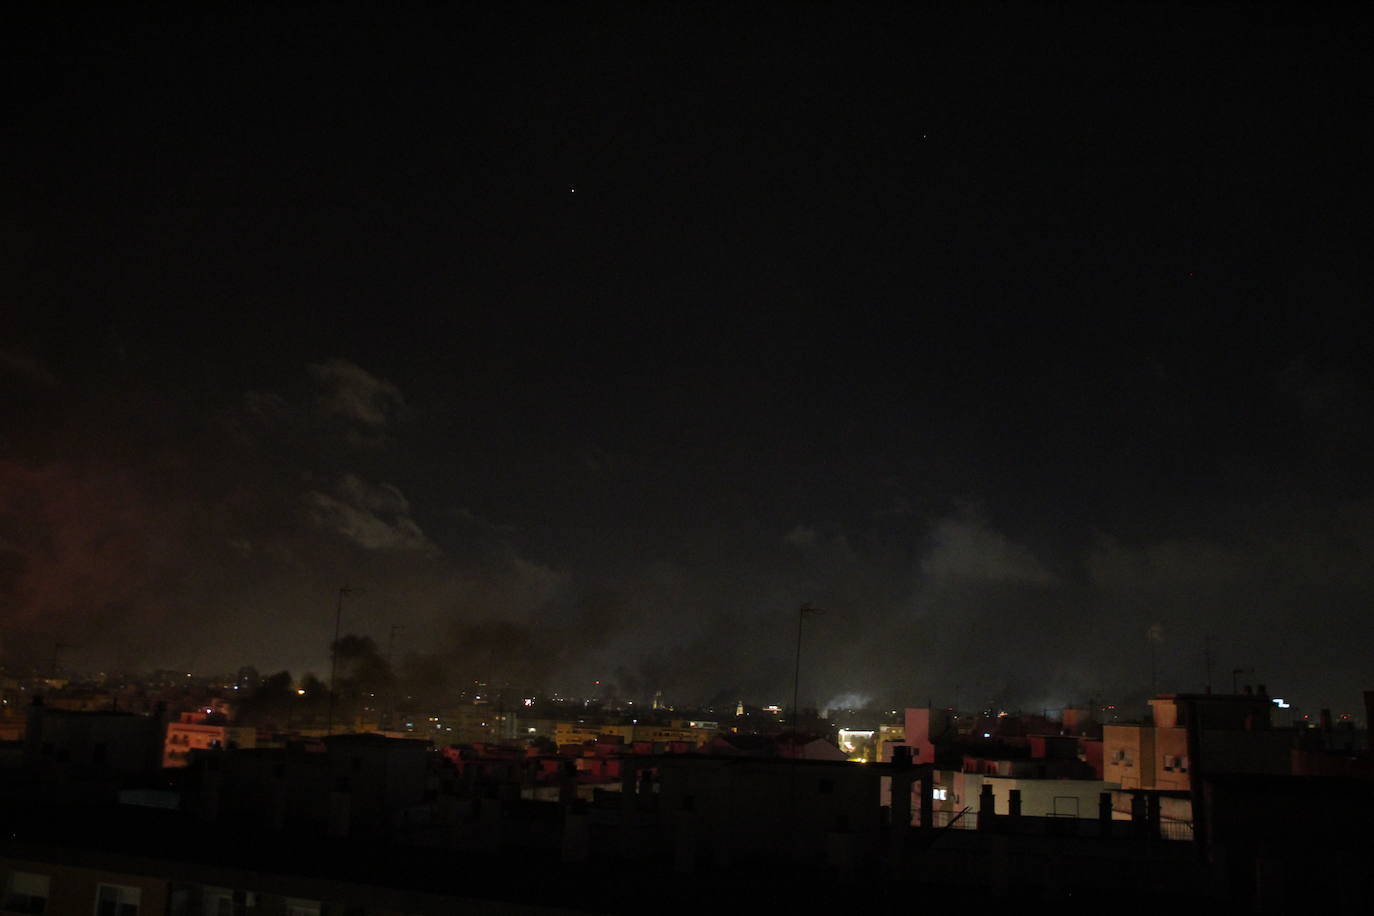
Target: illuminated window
26, 893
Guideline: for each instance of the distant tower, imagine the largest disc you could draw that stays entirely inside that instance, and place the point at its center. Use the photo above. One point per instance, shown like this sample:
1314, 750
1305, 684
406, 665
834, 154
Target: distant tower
739, 708
658, 699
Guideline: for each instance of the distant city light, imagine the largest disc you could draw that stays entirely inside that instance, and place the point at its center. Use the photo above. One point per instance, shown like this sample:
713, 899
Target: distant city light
300, 691
1281, 703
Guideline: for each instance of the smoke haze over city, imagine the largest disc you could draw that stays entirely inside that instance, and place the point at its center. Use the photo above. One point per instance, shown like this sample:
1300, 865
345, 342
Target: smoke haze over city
1023, 354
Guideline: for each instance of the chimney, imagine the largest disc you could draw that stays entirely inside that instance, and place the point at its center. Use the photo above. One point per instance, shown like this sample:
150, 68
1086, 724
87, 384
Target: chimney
1263, 691
901, 756
987, 807
1326, 720
1249, 691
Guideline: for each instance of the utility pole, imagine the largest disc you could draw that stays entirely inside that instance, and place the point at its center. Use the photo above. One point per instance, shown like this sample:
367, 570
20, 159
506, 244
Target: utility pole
796, 699
56, 648
1154, 636
391, 688
796, 671
1207, 660
334, 654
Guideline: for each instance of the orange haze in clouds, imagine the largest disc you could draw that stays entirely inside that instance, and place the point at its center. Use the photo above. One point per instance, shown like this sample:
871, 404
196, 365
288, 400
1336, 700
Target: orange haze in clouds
81, 550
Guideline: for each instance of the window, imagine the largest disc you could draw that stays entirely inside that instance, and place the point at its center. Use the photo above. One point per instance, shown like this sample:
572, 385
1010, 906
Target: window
217, 901
26, 892
116, 900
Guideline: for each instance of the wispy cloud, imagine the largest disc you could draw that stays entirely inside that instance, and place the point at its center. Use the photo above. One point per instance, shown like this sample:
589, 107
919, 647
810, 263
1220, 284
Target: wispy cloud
373, 516
354, 394
965, 548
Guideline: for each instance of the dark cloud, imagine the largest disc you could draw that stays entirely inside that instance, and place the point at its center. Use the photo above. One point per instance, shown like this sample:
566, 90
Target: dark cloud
226, 542
213, 545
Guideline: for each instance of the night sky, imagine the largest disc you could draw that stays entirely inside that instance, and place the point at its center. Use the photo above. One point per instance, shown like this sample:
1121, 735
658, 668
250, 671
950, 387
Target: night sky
593, 340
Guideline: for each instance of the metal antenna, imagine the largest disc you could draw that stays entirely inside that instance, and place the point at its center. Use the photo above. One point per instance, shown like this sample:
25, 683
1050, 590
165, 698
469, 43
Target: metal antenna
334, 653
